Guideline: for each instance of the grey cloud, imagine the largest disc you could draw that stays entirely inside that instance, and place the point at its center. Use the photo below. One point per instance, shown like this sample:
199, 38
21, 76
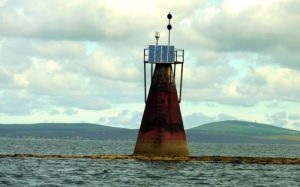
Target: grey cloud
54, 112
124, 118
60, 49
279, 115
280, 123
81, 20
43, 52
112, 66
296, 125
117, 91
15, 103
286, 57
273, 104
269, 84
60, 80
244, 100
196, 119
294, 117
70, 112
219, 93
83, 101
223, 117
254, 29
252, 85
15, 54
269, 30
278, 119
254, 79
207, 76
26, 48
5, 78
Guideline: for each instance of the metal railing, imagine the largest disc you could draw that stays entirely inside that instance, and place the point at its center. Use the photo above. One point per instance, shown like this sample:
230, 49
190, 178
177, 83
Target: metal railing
179, 59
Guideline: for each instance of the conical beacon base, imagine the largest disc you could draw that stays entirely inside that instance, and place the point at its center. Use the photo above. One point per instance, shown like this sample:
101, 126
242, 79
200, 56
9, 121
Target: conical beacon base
161, 132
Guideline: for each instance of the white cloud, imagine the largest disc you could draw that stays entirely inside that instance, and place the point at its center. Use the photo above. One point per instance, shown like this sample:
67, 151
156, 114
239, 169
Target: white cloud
197, 118
296, 125
77, 20
70, 112
15, 103
269, 28
123, 118
278, 119
2, 2
207, 75
224, 117
269, 83
59, 49
237, 53
112, 67
294, 116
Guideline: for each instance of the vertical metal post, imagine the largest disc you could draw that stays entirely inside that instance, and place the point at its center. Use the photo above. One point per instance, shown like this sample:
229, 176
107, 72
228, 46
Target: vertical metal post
181, 76
169, 27
145, 89
174, 71
175, 64
169, 33
181, 82
169, 16
151, 72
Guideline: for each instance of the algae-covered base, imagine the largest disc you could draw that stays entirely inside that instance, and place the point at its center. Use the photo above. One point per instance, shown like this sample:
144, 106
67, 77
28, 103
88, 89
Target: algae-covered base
214, 159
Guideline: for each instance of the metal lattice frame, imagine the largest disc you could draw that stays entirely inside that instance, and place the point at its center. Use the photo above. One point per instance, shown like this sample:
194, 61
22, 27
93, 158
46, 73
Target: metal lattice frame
179, 59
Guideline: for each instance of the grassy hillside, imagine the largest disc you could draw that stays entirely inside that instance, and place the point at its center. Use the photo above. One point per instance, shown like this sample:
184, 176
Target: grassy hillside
217, 132
66, 130
243, 131
244, 128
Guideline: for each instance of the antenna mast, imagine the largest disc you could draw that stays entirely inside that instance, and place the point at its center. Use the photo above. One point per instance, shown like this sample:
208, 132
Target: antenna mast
169, 16
157, 37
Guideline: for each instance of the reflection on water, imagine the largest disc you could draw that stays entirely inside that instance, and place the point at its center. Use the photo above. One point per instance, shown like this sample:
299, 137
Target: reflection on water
87, 172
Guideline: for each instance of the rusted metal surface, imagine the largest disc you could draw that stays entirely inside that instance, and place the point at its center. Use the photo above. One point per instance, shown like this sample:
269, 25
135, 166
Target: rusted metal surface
161, 132
178, 60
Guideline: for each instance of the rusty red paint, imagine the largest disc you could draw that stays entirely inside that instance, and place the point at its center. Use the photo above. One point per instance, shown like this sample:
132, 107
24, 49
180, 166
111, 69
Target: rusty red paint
162, 121
151, 135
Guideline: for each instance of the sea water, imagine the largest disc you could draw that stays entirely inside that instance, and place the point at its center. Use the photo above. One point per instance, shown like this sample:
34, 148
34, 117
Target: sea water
89, 172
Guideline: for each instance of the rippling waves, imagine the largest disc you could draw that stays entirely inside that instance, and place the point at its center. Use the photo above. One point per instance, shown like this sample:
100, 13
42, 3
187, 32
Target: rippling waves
88, 172
62, 172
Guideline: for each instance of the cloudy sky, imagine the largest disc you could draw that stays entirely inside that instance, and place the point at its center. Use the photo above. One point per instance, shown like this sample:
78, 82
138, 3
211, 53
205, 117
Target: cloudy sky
82, 60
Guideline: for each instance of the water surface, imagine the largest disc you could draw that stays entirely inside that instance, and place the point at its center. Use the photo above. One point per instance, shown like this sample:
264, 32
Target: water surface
89, 172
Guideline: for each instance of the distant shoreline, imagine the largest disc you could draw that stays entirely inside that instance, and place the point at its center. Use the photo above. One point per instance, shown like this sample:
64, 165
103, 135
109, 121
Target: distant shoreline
231, 132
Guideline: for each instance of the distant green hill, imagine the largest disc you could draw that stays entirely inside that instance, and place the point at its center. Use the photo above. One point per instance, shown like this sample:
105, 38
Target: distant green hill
66, 131
243, 131
216, 132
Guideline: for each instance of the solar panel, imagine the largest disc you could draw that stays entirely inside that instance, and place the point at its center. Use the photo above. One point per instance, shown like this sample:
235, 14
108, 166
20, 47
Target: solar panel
171, 54
161, 54
151, 56
165, 53
158, 53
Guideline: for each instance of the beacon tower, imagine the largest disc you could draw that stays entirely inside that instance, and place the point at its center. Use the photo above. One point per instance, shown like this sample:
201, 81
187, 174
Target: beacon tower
161, 132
